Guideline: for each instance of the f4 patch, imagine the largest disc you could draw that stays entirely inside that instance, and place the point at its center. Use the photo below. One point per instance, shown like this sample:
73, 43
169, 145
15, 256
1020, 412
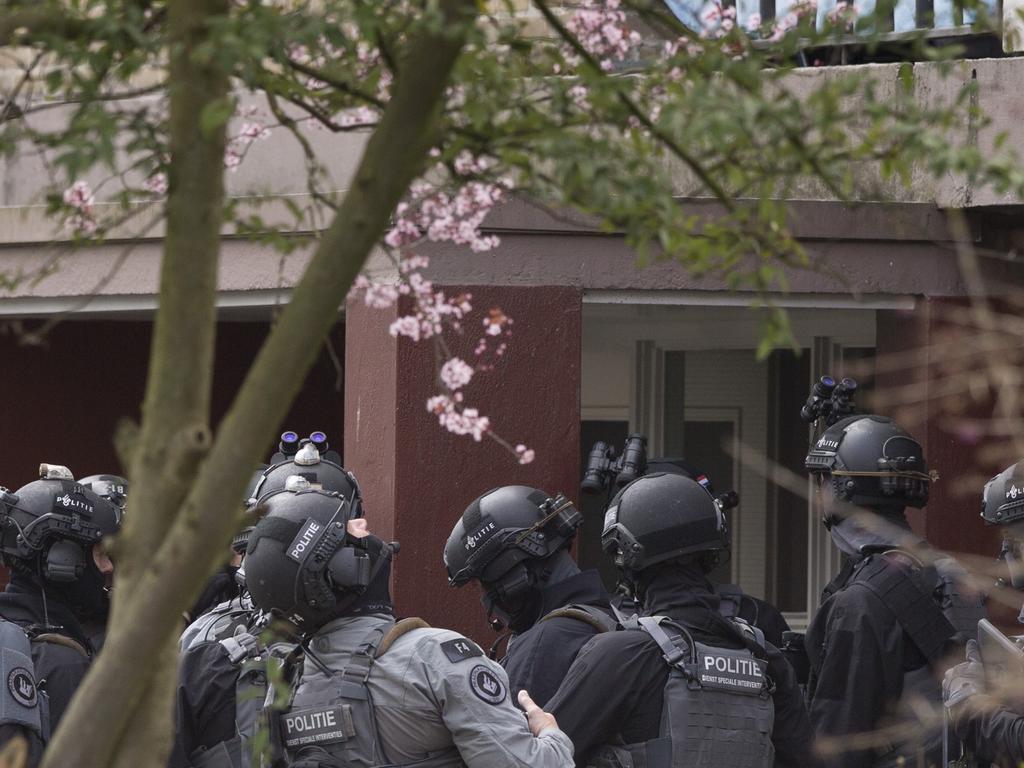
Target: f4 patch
460, 649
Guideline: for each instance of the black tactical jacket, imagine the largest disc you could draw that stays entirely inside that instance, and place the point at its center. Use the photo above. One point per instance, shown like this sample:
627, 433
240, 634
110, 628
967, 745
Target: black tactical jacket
205, 710
539, 658
59, 668
859, 656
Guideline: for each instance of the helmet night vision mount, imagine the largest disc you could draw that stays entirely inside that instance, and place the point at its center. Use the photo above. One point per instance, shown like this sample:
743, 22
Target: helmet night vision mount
605, 470
829, 401
607, 474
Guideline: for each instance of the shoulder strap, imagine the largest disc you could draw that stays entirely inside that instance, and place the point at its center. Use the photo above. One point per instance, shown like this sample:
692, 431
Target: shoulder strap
240, 647
55, 638
674, 655
400, 628
752, 636
588, 614
912, 605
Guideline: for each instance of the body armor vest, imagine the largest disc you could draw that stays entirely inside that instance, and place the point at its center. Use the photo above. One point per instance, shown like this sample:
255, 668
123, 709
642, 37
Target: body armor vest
717, 708
251, 695
937, 618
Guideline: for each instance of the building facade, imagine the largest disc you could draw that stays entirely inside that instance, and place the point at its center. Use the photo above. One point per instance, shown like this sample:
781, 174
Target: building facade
601, 348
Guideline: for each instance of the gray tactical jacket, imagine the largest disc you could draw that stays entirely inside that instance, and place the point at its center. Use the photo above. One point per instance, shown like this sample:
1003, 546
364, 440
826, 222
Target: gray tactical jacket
433, 689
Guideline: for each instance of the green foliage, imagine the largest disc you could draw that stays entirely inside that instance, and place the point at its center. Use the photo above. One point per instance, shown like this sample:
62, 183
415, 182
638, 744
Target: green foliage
729, 119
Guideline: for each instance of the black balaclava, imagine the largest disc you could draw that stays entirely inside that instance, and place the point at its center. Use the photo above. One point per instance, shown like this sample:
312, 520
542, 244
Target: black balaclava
522, 611
679, 582
86, 597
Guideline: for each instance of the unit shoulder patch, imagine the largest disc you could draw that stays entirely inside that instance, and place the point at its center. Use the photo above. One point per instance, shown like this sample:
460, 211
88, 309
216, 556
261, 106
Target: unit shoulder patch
22, 687
460, 649
486, 685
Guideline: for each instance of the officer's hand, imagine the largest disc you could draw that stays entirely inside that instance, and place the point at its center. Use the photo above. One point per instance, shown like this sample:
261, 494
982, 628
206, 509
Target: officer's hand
966, 679
538, 719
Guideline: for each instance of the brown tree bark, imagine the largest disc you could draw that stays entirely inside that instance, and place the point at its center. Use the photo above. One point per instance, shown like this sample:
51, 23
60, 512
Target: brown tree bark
183, 491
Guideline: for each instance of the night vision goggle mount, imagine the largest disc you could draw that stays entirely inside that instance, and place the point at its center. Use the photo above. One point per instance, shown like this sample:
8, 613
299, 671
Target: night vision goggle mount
830, 401
605, 471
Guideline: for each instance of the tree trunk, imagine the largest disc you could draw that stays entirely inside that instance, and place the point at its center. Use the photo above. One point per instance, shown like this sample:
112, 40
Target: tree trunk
179, 521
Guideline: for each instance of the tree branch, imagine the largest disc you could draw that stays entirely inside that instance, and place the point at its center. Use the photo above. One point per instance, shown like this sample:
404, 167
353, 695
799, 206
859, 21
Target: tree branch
25, 25
175, 410
144, 617
674, 147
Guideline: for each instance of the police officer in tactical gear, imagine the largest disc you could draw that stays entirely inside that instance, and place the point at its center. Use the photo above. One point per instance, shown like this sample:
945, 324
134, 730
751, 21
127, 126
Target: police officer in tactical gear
222, 649
224, 604
683, 685
515, 542
733, 601
991, 723
889, 618
52, 534
370, 691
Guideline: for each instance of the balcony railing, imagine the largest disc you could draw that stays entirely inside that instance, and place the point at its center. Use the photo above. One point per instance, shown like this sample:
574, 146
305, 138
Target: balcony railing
941, 17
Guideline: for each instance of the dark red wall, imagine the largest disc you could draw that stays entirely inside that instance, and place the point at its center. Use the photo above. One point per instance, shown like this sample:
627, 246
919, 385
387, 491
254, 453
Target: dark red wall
909, 344
62, 400
418, 492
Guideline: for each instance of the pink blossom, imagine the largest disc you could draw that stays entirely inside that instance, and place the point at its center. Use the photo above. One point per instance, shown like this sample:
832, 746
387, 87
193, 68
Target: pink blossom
460, 421
82, 224
408, 326
157, 184
600, 27
526, 455
456, 373
232, 158
466, 164
251, 132
753, 22
79, 195
578, 94
717, 20
441, 216
381, 295
496, 322
80, 198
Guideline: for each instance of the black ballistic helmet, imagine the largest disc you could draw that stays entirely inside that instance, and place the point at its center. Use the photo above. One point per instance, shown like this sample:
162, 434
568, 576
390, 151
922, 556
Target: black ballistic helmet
660, 517
1002, 501
502, 531
49, 526
113, 488
302, 564
871, 463
322, 469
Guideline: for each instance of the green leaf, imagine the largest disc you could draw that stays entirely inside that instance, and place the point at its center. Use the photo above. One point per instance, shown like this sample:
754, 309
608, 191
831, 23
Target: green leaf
215, 115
